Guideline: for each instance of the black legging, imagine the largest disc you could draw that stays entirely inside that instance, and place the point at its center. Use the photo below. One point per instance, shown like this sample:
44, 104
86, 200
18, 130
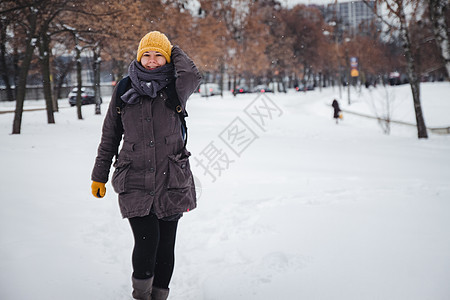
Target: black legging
153, 253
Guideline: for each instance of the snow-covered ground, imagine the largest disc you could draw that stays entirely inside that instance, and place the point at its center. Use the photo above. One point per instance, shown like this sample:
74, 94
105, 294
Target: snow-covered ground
291, 206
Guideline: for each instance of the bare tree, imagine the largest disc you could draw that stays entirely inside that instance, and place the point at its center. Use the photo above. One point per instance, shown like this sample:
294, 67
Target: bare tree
244, 45
89, 26
382, 106
51, 12
29, 15
437, 10
61, 67
37, 20
396, 10
305, 25
44, 58
78, 48
277, 41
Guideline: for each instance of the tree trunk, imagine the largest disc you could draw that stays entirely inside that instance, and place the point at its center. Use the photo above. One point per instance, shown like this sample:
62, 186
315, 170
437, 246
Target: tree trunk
44, 57
79, 81
413, 79
4, 65
119, 71
234, 84
347, 63
96, 69
54, 96
437, 13
320, 81
16, 69
222, 74
22, 80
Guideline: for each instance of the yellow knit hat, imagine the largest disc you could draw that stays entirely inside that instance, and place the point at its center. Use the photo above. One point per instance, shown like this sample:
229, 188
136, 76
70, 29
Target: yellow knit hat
155, 41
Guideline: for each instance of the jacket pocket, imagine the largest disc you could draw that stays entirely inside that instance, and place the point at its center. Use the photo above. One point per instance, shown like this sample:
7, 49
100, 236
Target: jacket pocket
119, 177
180, 183
180, 175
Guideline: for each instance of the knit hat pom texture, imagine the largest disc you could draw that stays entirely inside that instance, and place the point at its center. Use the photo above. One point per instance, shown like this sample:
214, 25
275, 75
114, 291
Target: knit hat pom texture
155, 41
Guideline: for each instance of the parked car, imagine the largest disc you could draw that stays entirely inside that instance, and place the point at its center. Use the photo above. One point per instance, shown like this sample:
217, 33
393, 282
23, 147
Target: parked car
209, 89
304, 88
262, 88
87, 96
241, 89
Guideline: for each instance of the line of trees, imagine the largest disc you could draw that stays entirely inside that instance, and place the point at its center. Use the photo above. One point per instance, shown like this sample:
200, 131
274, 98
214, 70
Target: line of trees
257, 40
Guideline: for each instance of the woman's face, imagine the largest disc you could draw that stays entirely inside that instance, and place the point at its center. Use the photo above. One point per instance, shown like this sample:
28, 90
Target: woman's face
152, 60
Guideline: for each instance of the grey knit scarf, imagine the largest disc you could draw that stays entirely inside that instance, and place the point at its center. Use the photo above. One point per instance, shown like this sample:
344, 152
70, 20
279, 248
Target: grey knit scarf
147, 82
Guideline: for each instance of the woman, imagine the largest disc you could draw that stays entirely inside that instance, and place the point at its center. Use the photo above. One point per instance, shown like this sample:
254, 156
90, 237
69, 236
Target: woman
336, 110
152, 175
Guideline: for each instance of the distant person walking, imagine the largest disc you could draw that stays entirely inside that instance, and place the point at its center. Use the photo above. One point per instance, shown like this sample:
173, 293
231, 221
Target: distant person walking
152, 173
337, 110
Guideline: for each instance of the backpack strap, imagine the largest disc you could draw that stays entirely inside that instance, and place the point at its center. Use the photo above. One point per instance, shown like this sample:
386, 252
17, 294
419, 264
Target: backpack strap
123, 86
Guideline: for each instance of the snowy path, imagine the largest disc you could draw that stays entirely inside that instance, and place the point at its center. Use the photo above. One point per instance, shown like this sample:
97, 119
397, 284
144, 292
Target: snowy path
309, 210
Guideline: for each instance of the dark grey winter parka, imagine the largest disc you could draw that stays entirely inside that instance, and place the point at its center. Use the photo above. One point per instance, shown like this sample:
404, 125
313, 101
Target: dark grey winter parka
152, 172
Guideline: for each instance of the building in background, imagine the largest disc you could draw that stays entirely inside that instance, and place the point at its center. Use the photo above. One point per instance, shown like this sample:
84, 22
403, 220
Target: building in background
354, 18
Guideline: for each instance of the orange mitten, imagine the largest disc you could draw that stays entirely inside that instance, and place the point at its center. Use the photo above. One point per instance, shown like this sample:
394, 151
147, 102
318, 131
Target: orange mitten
98, 189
